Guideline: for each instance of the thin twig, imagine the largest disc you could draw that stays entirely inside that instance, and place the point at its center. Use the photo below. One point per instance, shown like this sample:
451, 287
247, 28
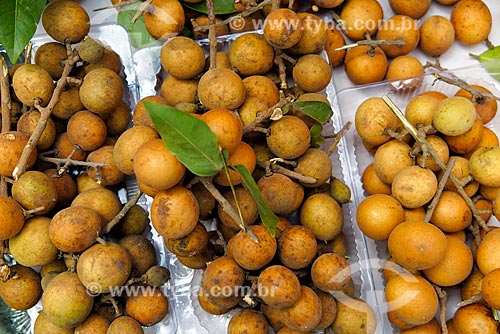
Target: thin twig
472, 300
63, 161
272, 166
443, 296
68, 162
340, 22
372, 43
29, 50
338, 137
245, 13
437, 196
458, 184
5, 110
476, 93
212, 36
265, 115
144, 7
130, 203
45, 115
281, 67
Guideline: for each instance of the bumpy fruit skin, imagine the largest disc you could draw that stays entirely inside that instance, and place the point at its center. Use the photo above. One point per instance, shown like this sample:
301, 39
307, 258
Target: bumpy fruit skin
12, 218
23, 290
182, 57
289, 137
101, 91
251, 54
32, 81
220, 88
282, 28
472, 21
66, 20
65, 301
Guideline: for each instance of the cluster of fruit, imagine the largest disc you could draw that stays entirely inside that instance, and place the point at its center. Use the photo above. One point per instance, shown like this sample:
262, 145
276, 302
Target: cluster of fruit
288, 280
424, 192
55, 221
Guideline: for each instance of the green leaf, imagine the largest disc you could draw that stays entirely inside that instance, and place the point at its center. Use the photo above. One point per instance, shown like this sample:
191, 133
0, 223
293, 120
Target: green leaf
267, 216
138, 34
220, 6
316, 139
319, 111
491, 61
188, 138
18, 22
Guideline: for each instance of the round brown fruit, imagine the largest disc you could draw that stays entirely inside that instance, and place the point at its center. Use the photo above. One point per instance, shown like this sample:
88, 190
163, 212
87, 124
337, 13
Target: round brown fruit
405, 67
278, 286
483, 166
364, 65
261, 87
101, 91
475, 318
472, 21
95, 324
334, 40
50, 56
66, 20
321, 214
87, 130
148, 307
283, 28
32, 246
182, 57
75, 228
312, 73
378, 214
221, 88
222, 277
487, 256
65, 301
12, 217
35, 190
297, 247
411, 298
23, 290
354, 315
402, 27
251, 254
305, 314
486, 107
330, 272
246, 321
410, 8
436, 35
313, 37
142, 253
243, 155
414, 186
103, 201
27, 124
32, 82
127, 145
451, 213
288, 137
361, 17
251, 54
125, 324
455, 266
174, 212
281, 202
155, 156
391, 158
417, 245
165, 20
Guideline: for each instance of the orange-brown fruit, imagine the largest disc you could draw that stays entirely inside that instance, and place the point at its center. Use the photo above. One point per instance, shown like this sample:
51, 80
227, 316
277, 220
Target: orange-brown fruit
50, 56
247, 204
127, 145
467, 141
354, 315
436, 35
361, 17
11, 147
155, 156
330, 272
411, 8
313, 37
119, 119
110, 59
87, 130
283, 28
488, 256
334, 40
417, 245
246, 321
65, 148
486, 107
251, 54
75, 228
475, 318
297, 247
27, 124
278, 286
250, 254
451, 213
148, 307
411, 298
414, 186
261, 87
455, 266
221, 88
66, 20
174, 212
23, 290
109, 174
103, 201
404, 67
94, 324
402, 27
226, 126
32, 82
101, 91
12, 217
125, 324
182, 57
372, 183
472, 21
305, 314
35, 190
176, 91
377, 215
364, 65
165, 20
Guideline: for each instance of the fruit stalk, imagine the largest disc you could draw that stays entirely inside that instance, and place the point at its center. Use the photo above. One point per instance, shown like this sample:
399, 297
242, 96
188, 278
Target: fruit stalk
476, 93
130, 203
5, 110
144, 7
211, 34
338, 137
265, 115
442, 295
45, 114
442, 183
372, 43
66, 162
